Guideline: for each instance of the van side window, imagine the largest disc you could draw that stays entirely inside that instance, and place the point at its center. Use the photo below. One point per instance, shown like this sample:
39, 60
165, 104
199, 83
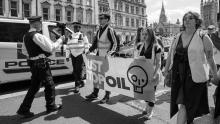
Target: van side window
55, 32
12, 32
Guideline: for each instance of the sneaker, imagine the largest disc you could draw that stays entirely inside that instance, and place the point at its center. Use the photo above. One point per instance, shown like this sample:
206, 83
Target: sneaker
149, 113
82, 84
76, 89
104, 100
54, 108
27, 114
92, 96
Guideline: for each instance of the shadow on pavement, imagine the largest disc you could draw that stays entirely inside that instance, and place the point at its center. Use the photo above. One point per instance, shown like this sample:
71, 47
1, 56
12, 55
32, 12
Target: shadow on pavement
75, 106
16, 119
165, 97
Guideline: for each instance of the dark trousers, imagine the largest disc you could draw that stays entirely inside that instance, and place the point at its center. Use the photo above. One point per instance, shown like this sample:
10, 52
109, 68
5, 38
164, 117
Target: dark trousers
151, 104
96, 91
78, 64
41, 74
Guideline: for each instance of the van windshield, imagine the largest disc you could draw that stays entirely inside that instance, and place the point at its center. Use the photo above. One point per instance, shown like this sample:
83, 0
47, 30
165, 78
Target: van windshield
55, 32
12, 32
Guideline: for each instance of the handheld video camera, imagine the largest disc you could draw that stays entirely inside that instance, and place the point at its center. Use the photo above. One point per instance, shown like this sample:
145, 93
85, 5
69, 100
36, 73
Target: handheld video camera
62, 26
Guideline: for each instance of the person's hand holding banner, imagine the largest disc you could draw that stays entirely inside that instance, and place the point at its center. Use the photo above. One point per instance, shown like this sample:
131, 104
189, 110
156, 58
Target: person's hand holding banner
110, 54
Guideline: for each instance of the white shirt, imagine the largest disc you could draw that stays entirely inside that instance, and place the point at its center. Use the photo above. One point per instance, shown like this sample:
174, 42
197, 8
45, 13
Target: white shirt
44, 42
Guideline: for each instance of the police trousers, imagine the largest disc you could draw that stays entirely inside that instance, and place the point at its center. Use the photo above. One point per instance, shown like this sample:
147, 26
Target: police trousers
41, 75
78, 68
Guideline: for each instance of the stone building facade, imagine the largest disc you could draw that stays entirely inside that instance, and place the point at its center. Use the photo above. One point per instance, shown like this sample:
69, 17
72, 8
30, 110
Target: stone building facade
67, 11
209, 11
126, 16
165, 28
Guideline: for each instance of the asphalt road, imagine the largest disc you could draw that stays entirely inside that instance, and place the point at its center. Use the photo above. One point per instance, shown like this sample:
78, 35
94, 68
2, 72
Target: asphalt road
120, 110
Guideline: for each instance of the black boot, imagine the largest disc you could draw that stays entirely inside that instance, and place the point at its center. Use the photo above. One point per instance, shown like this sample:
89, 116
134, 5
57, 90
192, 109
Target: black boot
106, 97
25, 114
94, 94
54, 108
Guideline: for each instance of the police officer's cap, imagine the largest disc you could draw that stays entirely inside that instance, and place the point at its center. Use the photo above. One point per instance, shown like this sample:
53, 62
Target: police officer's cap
104, 15
77, 23
210, 27
34, 19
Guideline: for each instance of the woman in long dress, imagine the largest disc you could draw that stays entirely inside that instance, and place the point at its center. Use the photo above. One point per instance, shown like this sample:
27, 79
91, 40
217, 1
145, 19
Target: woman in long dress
190, 54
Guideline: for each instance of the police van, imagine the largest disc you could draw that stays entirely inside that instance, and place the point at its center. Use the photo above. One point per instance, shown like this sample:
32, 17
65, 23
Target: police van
13, 64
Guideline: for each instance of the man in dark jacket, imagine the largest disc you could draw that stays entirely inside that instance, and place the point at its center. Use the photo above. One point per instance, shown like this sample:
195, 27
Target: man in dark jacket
106, 43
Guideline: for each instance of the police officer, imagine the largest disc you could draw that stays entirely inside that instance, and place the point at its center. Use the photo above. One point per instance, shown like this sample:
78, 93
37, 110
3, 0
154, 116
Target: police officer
107, 43
78, 44
39, 47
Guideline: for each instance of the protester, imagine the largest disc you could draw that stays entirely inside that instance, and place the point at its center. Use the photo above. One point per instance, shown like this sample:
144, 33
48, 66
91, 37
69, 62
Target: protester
148, 47
211, 29
189, 57
78, 44
215, 37
217, 101
106, 44
39, 47
163, 62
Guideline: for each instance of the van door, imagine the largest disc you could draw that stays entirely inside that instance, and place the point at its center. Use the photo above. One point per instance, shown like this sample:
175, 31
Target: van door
13, 65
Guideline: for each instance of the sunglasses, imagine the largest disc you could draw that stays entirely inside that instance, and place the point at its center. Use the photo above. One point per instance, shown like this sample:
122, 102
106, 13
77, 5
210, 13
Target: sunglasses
101, 18
77, 26
189, 18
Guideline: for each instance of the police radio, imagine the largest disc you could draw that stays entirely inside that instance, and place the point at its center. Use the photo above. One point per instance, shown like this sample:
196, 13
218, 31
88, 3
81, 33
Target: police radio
62, 26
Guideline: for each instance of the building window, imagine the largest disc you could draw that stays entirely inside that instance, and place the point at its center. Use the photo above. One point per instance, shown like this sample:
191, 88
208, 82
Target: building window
132, 9
137, 23
89, 2
69, 16
121, 21
26, 7
89, 16
45, 13
58, 14
115, 5
120, 6
14, 8
79, 14
1, 7
127, 21
132, 22
142, 11
143, 23
69, 13
127, 8
69, 1
79, 2
137, 10
116, 19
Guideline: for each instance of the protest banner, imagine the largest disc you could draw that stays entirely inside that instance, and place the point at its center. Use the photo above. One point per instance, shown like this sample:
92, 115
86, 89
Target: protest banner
126, 76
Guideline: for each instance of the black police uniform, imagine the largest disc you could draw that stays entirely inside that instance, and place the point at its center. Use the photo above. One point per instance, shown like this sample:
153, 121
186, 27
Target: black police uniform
41, 74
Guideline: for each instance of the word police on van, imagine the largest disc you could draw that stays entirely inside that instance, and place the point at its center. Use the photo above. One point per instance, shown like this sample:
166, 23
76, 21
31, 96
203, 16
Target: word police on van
13, 65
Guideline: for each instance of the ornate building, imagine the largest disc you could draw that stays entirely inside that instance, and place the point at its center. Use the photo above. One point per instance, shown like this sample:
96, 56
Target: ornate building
84, 11
164, 27
126, 17
209, 10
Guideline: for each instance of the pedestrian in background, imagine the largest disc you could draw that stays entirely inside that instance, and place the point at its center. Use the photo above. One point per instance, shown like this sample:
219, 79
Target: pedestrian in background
148, 48
39, 47
106, 44
78, 44
188, 58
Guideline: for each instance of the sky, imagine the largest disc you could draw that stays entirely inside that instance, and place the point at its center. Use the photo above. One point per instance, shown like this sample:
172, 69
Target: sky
174, 9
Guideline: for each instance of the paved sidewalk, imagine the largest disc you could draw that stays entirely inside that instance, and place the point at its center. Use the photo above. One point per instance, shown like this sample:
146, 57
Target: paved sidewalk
120, 109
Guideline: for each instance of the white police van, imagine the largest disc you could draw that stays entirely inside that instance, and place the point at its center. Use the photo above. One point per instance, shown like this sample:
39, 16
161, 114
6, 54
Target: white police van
13, 64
